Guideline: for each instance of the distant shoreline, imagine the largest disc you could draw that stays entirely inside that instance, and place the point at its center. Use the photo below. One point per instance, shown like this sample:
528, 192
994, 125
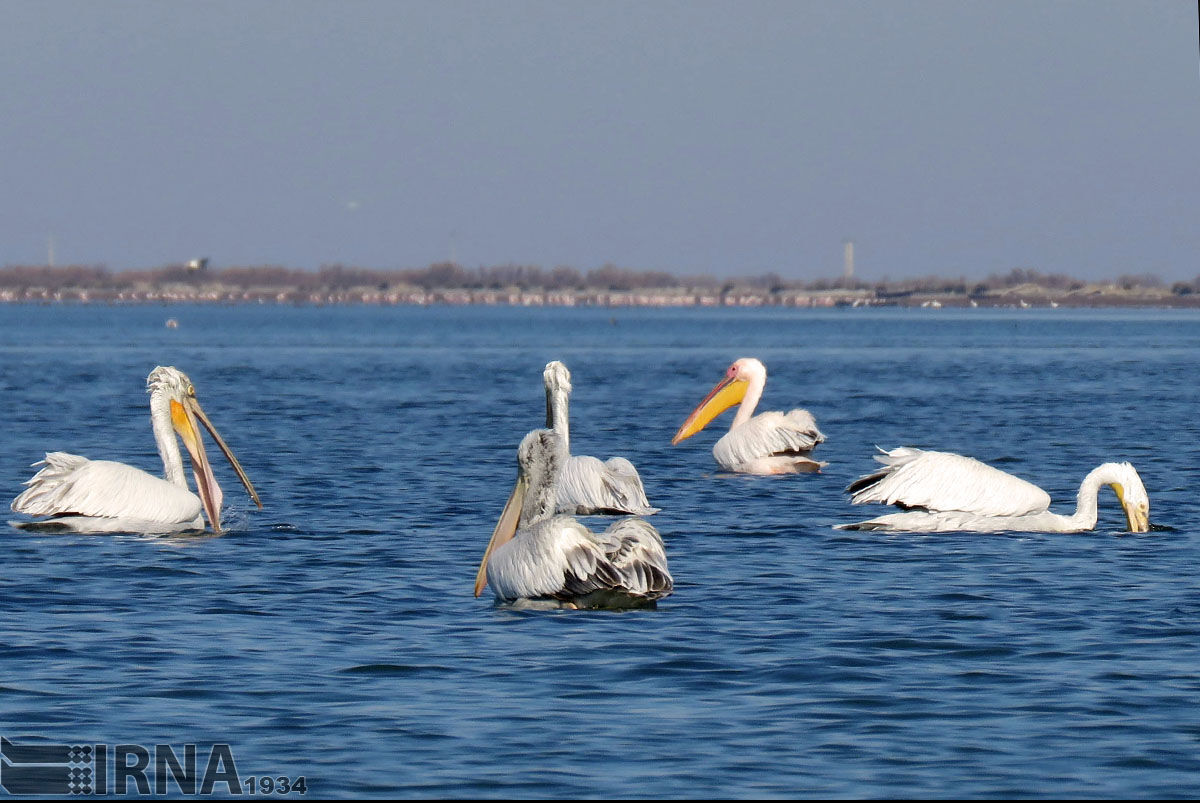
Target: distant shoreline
667, 298
448, 284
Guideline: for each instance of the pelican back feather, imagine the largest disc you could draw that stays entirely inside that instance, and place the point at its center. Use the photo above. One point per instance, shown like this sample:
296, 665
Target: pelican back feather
768, 434
559, 558
943, 481
587, 486
72, 485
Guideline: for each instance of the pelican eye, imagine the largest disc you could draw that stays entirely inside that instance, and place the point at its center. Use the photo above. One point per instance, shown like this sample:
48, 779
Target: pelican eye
191, 390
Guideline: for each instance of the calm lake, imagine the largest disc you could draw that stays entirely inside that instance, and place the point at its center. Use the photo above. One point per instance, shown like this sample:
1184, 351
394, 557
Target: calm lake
333, 635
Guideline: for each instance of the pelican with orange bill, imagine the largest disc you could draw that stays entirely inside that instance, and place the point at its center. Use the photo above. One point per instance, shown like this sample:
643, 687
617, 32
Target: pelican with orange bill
77, 494
767, 443
948, 492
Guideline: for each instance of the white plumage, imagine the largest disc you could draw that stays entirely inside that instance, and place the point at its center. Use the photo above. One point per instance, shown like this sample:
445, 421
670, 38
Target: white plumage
84, 495
942, 491
587, 485
100, 495
767, 443
770, 443
536, 554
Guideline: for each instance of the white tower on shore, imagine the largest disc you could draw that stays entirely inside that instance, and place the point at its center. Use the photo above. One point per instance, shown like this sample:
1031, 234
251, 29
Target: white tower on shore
848, 260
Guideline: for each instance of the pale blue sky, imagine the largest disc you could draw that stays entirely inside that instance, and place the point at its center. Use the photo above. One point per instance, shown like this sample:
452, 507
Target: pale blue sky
952, 138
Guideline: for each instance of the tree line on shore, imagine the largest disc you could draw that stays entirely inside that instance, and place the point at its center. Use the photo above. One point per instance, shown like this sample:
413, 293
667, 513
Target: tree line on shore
607, 278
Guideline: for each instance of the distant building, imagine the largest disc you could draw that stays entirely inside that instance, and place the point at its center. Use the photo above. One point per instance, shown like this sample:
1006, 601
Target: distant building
848, 260
198, 264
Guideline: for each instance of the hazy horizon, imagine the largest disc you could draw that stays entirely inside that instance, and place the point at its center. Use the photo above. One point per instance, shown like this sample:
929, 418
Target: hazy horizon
695, 138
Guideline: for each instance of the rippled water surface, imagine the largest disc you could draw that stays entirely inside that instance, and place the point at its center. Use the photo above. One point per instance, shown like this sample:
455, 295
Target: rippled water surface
334, 634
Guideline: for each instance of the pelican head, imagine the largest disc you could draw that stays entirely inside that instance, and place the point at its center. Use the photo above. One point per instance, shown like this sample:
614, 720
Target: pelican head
729, 391
558, 388
539, 458
185, 410
557, 376
1127, 484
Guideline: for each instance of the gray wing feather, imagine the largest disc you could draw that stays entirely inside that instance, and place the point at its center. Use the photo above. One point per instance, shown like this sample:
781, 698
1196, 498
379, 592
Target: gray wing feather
634, 558
586, 486
560, 558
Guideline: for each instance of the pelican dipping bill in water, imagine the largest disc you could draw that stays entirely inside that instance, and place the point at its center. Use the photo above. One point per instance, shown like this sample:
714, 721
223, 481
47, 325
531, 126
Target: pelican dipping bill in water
536, 554
586, 485
767, 443
103, 496
942, 491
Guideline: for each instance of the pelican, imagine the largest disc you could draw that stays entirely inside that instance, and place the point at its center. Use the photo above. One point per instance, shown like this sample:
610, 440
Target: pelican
536, 554
942, 491
767, 443
585, 485
103, 496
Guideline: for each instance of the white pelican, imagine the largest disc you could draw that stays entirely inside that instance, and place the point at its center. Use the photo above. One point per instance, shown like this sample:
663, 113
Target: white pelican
768, 443
941, 491
585, 485
536, 554
102, 496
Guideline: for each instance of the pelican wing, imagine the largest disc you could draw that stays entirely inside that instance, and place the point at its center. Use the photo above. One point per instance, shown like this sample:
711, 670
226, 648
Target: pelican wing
587, 486
628, 556
535, 563
73, 485
942, 481
560, 558
766, 434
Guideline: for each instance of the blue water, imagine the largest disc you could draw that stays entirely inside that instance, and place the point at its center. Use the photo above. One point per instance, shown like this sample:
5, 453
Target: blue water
334, 635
